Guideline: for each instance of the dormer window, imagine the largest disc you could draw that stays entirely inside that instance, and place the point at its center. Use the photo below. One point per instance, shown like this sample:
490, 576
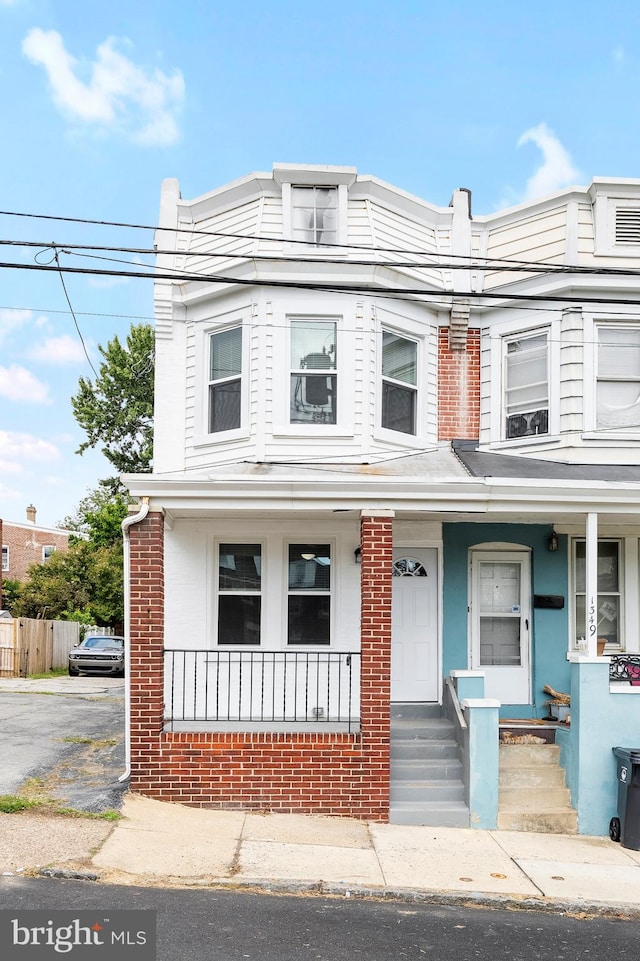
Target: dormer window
225, 380
526, 386
315, 214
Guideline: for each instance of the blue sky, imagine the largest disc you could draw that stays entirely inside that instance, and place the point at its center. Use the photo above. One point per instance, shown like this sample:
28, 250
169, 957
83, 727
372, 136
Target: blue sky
100, 101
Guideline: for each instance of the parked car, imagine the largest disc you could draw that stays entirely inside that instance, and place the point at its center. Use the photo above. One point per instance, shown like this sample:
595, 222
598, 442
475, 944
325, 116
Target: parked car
98, 654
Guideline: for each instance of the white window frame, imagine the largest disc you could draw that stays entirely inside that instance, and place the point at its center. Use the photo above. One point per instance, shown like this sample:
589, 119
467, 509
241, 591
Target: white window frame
5, 557
202, 437
300, 372
416, 388
301, 175
227, 592
292, 592
48, 550
592, 419
577, 641
529, 416
231, 378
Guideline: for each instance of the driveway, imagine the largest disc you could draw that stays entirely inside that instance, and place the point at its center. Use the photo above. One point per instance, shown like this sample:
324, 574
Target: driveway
65, 736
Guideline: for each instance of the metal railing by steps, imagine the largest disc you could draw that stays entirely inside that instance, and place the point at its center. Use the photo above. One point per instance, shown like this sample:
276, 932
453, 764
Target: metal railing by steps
426, 770
532, 793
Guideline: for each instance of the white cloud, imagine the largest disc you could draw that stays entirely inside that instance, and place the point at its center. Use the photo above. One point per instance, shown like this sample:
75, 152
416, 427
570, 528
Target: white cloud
17, 447
555, 171
11, 320
17, 383
58, 350
119, 95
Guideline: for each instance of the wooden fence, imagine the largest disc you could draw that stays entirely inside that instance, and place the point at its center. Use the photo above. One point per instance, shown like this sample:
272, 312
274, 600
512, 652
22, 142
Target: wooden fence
29, 646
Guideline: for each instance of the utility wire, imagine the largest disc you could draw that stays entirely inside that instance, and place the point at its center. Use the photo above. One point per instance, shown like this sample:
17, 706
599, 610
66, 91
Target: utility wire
75, 319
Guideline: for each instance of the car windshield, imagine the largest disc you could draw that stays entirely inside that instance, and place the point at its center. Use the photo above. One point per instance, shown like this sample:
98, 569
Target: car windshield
102, 643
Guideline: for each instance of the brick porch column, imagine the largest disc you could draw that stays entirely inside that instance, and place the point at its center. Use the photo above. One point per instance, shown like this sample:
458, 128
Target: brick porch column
376, 544
146, 626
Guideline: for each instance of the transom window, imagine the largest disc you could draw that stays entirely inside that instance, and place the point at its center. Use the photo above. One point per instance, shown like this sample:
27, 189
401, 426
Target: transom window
313, 392
408, 567
309, 594
526, 386
399, 382
618, 378
609, 603
239, 593
315, 214
225, 380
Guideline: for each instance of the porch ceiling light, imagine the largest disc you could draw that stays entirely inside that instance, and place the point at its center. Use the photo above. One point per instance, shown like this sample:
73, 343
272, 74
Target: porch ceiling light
308, 557
552, 542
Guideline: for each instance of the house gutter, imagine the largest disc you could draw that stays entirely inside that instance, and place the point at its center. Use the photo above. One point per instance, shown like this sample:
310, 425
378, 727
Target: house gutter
126, 524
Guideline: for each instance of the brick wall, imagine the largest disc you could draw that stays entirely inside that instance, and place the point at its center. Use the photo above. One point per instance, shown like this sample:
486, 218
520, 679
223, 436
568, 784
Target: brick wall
25, 543
324, 773
458, 388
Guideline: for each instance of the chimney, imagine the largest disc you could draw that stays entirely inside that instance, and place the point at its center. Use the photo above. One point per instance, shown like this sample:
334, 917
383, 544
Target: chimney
31, 514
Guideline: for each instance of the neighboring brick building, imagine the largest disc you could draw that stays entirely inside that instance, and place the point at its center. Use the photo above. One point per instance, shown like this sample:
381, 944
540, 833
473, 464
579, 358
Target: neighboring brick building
28, 543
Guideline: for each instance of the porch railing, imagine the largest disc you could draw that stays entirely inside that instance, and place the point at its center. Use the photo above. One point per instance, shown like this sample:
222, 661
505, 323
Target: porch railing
625, 667
283, 687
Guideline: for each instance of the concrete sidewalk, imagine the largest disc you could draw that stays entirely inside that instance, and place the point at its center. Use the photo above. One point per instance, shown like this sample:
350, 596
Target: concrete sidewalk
168, 844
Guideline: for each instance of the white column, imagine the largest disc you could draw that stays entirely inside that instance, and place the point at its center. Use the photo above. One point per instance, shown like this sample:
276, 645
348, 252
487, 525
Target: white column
591, 584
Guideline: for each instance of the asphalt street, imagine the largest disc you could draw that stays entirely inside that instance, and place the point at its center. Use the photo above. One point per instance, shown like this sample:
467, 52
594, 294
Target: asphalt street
73, 743
230, 926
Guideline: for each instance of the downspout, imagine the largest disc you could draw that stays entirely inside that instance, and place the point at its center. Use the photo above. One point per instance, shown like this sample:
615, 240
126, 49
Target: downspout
126, 524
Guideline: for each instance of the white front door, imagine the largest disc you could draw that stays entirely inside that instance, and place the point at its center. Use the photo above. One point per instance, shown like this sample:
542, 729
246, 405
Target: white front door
414, 641
500, 612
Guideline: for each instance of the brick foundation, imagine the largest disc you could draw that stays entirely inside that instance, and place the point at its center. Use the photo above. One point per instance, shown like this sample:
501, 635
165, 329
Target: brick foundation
321, 773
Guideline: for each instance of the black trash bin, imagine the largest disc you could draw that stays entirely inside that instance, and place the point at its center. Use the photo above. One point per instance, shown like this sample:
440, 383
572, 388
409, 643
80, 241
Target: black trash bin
626, 826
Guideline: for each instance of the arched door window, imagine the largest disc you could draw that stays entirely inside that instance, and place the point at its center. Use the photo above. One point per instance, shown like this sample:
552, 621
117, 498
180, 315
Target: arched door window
408, 567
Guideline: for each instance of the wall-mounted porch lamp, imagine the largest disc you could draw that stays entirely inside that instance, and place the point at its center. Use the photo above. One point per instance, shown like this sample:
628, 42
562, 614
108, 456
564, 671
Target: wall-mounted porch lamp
357, 555
552, 541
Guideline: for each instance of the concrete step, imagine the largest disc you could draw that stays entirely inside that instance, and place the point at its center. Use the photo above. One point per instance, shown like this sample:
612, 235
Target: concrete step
546, 775
415, 709
429, 791
562, 821
451, 815
426, 749
430, 769
528, 755
533, 799
422, 729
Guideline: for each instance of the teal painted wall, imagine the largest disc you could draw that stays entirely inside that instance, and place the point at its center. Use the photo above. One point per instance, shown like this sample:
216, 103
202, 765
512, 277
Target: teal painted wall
549, 575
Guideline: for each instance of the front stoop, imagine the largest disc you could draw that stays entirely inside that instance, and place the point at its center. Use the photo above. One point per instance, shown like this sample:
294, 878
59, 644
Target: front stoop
533, 795
426, 771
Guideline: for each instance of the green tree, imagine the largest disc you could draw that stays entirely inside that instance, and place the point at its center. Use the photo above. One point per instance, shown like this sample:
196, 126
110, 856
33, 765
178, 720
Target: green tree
99, 516
116, 409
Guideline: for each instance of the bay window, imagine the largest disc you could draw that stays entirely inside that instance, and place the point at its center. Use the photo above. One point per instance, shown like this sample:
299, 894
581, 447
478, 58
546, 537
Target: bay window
313, 379
225, 380
609, 602
618, 377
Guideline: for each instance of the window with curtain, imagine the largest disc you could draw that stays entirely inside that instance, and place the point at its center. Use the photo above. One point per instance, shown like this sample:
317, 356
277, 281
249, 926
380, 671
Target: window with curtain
526, 385
315, 214
618, 377
399, 382
314, 380
239, 593
225, 380
309, 594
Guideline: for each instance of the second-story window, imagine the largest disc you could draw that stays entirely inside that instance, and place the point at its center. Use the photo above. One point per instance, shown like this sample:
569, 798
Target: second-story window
618, 379
225, 380
526, 386
399, 383
315, 214
314, 381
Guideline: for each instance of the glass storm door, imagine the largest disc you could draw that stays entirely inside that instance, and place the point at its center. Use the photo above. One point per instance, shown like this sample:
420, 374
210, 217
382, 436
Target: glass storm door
415, 672
500, 621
